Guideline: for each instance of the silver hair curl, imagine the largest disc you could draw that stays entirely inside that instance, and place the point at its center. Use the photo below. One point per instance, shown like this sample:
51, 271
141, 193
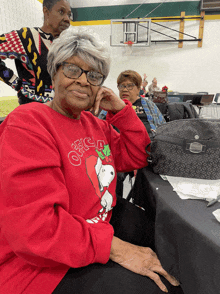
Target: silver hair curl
82, 43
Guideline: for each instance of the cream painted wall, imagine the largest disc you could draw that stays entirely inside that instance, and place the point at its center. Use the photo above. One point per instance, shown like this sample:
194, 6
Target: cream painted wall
187, 69
190, 69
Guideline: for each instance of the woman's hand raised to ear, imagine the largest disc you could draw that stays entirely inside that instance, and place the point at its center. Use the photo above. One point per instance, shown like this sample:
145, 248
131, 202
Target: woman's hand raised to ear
140, 260
106, 99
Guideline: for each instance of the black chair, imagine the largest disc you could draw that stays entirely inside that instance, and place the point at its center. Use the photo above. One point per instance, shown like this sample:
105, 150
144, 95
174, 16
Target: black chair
204, 101
2, 119
216, 99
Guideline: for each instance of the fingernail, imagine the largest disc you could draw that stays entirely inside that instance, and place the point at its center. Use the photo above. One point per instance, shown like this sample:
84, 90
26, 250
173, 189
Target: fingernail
165, 290
175, 282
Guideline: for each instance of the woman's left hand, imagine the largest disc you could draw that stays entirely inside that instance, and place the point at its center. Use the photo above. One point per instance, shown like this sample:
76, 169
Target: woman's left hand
106, 99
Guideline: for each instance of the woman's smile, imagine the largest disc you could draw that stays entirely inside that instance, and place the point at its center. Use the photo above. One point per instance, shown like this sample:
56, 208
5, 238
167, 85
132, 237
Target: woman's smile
79, 94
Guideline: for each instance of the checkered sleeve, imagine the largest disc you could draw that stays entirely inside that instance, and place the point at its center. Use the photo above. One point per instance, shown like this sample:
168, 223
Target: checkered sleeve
157, 116
102, 115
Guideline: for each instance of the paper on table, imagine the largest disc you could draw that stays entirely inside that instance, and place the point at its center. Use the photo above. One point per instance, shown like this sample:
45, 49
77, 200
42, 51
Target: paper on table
189, 188
216, 213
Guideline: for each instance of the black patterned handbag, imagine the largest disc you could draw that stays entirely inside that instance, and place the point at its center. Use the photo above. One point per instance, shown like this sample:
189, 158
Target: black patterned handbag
187, 148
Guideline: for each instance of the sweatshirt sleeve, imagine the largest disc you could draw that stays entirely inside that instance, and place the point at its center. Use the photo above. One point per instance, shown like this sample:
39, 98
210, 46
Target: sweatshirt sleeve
34, 200
8, 50
129, 146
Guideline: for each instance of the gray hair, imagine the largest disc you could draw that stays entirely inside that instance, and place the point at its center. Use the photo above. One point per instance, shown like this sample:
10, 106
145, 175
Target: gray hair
82, 43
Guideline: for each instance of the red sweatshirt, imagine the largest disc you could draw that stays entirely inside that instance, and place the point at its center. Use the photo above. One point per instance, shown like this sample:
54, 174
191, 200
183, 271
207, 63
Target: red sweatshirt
58, 178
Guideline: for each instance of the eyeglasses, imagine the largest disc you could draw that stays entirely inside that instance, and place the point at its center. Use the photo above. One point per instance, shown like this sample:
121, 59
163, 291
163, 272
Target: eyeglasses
129, 87
73, 71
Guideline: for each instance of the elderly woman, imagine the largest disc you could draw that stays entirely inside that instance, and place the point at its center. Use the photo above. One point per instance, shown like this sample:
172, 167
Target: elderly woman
129, 84
56, 197
153, 87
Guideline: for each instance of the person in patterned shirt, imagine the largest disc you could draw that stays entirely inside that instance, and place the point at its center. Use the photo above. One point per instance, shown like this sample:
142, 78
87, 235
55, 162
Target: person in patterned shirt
29, 47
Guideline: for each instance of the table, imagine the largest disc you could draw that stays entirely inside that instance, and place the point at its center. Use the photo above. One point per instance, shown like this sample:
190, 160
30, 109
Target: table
187, 235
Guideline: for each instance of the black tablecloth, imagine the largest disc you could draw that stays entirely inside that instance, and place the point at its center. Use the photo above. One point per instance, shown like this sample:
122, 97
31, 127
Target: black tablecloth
187, 235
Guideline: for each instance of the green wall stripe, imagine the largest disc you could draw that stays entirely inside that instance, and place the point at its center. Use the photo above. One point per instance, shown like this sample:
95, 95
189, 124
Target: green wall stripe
120, 11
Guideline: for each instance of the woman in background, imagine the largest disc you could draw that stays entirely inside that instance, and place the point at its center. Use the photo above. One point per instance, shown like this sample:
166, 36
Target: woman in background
129, 85
29, 48
153, 87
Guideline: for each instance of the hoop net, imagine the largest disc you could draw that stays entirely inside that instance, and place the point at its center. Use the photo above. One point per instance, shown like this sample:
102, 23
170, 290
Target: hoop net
129, 47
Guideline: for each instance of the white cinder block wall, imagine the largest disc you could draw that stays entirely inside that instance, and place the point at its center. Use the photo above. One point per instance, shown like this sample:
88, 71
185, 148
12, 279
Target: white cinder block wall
189, 69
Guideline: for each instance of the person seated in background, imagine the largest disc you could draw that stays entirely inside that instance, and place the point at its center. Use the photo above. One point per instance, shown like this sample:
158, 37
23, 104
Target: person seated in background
129, 84
153, 87
58, 177
143, 90
29, 47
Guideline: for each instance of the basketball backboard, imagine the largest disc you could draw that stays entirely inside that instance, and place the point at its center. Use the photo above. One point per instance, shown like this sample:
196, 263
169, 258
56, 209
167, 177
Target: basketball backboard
130, 31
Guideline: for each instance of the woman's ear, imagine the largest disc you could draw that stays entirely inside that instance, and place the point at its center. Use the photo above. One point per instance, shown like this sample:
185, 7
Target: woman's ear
46, 14
45, 10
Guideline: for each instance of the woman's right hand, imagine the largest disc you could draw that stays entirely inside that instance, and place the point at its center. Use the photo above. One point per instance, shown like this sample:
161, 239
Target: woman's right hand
140, 260
106, 99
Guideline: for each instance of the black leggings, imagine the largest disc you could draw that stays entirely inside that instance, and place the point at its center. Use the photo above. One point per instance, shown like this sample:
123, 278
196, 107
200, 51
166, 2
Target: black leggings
109, 278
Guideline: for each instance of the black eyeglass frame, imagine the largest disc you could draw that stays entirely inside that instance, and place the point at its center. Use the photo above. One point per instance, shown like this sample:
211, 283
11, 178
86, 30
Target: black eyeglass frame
133, 85
82, 71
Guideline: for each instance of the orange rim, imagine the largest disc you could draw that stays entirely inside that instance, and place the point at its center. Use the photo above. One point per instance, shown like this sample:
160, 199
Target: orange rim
129, 43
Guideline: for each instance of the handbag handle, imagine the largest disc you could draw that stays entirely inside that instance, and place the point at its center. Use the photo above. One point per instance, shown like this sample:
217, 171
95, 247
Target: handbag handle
148, 146
149, 158
206, 144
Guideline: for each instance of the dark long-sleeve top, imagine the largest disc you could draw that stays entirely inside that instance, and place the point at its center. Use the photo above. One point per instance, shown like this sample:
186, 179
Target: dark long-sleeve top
28, 47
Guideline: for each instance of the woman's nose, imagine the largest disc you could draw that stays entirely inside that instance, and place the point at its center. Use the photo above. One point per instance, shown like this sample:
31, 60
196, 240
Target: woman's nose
67, 18
83, 79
